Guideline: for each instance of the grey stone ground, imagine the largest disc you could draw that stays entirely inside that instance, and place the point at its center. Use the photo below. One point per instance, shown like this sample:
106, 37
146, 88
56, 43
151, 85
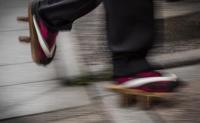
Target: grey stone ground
180, 107
92, 113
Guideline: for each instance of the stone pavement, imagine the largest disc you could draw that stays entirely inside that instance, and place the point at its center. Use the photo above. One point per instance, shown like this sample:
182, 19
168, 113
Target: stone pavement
173, 9
181, 107
92, 113
27, 99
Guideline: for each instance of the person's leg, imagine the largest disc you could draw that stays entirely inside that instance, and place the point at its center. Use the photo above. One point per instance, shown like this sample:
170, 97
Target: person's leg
47, 18
130, 32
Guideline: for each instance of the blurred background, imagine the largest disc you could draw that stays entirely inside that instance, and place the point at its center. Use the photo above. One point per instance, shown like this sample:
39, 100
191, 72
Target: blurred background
71, 89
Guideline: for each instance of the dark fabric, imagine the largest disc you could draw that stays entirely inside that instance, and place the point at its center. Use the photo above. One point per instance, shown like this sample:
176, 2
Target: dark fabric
60, 14
130, 33
130, 28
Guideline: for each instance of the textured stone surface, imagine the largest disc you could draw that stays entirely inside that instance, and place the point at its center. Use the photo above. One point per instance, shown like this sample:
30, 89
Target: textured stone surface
34, 98
86, 114
182, 108
117, 113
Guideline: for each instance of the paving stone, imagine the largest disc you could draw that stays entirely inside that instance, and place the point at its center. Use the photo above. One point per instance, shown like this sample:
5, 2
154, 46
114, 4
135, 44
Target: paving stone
11, 50
8, 21
9, 4
34, 98
125, 115
117, 113
188, 73
173, 9
92, 113
178, 104
25, 73
93, 118
182, 108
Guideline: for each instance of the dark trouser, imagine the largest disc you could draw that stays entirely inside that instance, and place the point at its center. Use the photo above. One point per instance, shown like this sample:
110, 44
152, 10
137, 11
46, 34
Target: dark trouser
130, 28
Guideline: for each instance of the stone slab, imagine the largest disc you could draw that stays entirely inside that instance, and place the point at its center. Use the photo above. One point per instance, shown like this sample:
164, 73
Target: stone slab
25, 73
160, 113
173, 9
182, 108
117, 113
34, 98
